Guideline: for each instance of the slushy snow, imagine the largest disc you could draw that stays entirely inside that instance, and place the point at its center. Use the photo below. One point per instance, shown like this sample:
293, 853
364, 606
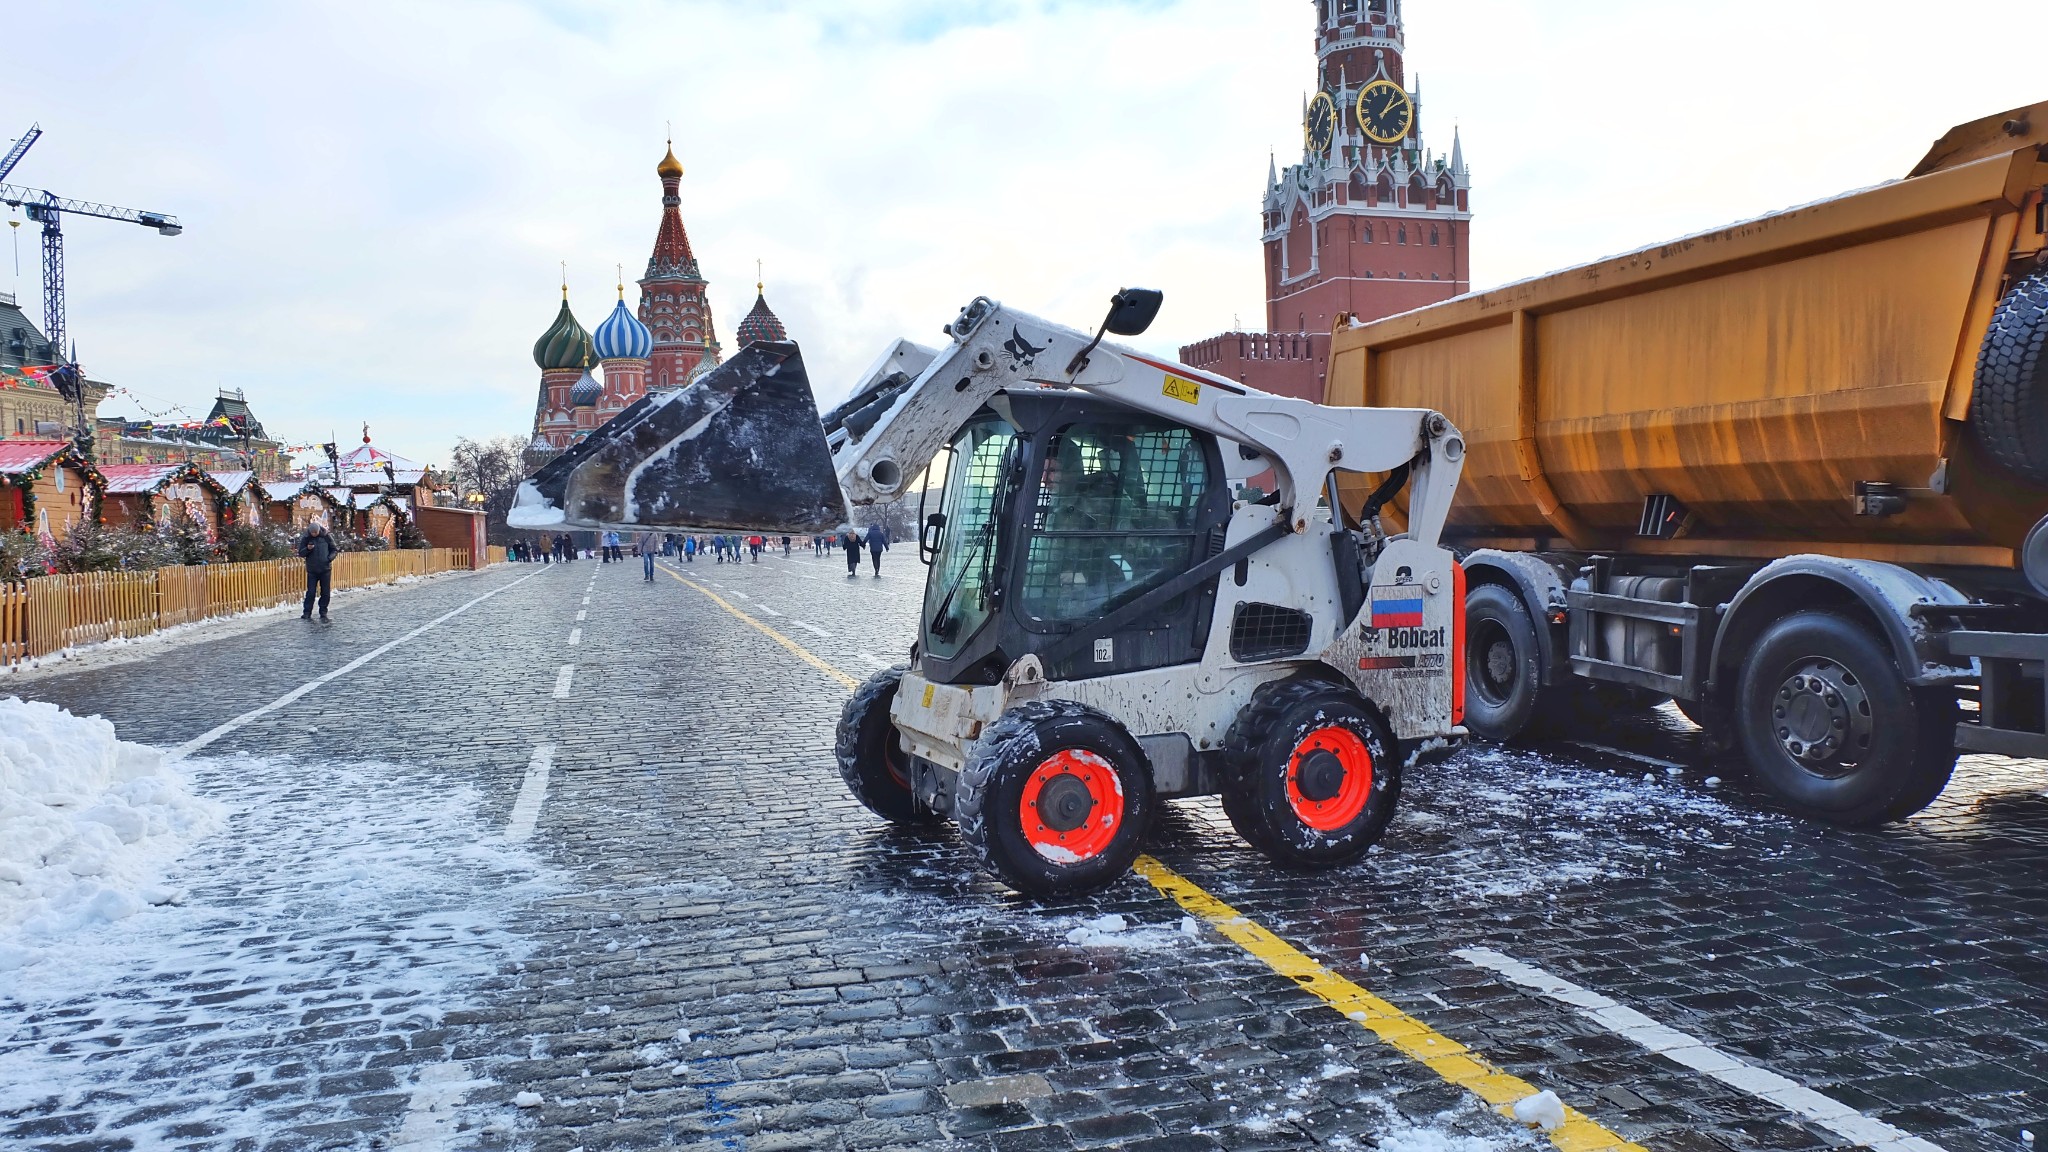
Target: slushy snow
87, 824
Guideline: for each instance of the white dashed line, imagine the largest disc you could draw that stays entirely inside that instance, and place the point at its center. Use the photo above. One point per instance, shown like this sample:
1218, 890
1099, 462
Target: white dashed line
430, 1116
1701, 1056
586, 599
562, 679
581, 615
742, 595
205, 738
532, 790
575, 636
871, 658
813, 629
760, 607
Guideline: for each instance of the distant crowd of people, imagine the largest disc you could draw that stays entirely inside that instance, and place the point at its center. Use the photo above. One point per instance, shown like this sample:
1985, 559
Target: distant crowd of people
733, 549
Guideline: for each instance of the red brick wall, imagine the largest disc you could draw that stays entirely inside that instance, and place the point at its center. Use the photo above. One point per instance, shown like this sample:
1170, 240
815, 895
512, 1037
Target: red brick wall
1287, 364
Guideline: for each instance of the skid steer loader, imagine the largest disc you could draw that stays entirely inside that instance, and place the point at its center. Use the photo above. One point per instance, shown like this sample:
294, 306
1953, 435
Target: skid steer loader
1137, 588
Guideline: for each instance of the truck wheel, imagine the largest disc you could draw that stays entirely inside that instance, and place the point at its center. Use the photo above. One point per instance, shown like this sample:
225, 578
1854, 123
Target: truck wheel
1831, 728
871, 756
1055, 798
2009, 404
1309, 778
1503, 663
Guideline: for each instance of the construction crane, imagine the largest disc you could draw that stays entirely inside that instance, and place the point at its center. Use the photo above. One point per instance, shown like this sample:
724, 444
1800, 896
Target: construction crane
48, 209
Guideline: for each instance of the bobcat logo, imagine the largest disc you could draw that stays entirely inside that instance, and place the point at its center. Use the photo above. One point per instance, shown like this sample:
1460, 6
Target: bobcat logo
1022, 354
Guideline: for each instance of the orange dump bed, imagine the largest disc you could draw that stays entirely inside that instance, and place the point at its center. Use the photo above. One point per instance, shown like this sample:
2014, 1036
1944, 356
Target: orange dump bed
1755, 374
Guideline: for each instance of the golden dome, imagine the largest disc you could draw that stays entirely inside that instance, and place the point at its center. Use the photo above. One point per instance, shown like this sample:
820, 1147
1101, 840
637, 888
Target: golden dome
669, 166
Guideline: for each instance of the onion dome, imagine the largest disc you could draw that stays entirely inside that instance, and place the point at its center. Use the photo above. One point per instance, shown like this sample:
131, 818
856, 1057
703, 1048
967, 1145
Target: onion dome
705, 367
586, 392
622, 336
565, 344
761, 323
670, 167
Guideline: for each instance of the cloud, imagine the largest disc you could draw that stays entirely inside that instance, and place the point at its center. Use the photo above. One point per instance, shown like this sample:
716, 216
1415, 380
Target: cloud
376, 194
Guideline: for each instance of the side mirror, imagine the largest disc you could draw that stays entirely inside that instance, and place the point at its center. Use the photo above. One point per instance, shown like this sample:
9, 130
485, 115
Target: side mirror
1132, 310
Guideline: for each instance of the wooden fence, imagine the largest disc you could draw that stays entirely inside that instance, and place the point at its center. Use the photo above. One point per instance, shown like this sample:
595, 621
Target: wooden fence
51, 613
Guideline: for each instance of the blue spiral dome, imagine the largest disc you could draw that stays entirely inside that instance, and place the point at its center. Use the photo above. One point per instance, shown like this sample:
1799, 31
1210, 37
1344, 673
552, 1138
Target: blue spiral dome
586, 392
622, 336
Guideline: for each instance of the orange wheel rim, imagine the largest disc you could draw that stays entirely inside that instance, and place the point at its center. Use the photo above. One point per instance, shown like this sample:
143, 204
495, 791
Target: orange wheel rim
1072, 806
1329, 778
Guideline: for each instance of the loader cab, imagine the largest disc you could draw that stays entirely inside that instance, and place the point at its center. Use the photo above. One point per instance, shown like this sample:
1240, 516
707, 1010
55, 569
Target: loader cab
1056, 510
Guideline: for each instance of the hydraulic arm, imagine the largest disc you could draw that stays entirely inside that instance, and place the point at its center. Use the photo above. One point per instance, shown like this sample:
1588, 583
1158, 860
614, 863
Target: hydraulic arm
742, 450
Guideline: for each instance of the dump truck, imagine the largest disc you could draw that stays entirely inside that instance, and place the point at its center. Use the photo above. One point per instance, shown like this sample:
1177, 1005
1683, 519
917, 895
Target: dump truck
1791, 474
1111, 618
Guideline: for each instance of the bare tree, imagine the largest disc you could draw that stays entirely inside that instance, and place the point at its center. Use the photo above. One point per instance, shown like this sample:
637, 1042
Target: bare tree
492, 469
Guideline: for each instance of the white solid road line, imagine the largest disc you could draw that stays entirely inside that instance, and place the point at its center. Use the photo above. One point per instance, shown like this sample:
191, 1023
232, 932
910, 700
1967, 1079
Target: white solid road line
813, 629
562, 679
532, 790
1625, 754
575, 636
430, 1115
1701, 1056
253, 714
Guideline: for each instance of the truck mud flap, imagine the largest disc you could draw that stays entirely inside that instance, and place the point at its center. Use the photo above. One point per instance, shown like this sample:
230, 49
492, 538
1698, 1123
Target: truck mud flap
740, 449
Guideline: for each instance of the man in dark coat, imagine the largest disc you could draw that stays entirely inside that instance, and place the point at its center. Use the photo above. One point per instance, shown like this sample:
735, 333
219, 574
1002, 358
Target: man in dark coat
318, 549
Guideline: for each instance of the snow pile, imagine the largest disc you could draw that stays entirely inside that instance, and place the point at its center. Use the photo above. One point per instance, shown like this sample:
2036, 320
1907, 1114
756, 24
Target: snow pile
87, 823
1544, 1110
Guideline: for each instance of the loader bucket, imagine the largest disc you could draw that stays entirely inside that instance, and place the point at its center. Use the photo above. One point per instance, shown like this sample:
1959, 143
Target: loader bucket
740, 449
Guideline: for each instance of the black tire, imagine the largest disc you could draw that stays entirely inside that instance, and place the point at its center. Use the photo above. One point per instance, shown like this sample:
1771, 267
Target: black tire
1093, 798
1503, 664
1310, 777
871, 756
2009, 402
1829, 725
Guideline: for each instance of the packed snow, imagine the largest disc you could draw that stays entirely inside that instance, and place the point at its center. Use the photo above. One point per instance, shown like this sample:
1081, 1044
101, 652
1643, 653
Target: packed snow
88, 823
333, 889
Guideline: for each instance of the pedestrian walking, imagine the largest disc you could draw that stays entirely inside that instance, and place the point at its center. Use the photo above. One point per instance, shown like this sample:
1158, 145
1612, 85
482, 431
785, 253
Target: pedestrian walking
611, 547
689, 549
850, 540
647, 546
785, 547
754, 544
878, 543
318, 549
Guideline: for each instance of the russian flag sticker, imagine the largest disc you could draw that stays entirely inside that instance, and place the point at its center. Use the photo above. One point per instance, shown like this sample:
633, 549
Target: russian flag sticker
1397, 612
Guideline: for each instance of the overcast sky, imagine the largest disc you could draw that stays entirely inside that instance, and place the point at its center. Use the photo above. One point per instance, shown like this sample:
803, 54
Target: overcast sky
376, 195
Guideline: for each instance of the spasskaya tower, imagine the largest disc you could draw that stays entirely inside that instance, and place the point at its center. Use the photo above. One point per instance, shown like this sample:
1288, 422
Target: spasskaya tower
1370, 222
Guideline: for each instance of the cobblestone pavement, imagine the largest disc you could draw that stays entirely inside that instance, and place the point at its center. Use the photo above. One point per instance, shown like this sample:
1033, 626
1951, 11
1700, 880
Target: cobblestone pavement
581, 847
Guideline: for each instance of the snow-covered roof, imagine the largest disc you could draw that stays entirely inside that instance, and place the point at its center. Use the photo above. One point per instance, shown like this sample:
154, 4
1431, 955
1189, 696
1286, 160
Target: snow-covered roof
234, 481
127, 479
18, 456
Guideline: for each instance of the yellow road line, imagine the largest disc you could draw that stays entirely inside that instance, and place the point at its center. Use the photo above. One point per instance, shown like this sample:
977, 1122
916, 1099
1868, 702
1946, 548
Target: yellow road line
1411, 1037
1442, 1055
796, 649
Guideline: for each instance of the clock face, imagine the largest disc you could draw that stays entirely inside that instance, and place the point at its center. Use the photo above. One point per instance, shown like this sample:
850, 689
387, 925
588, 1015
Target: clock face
1384, 112
1321, 125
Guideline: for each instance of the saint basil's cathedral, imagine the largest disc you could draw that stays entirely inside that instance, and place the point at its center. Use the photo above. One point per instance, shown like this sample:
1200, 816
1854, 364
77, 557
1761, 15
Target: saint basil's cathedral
667, 345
